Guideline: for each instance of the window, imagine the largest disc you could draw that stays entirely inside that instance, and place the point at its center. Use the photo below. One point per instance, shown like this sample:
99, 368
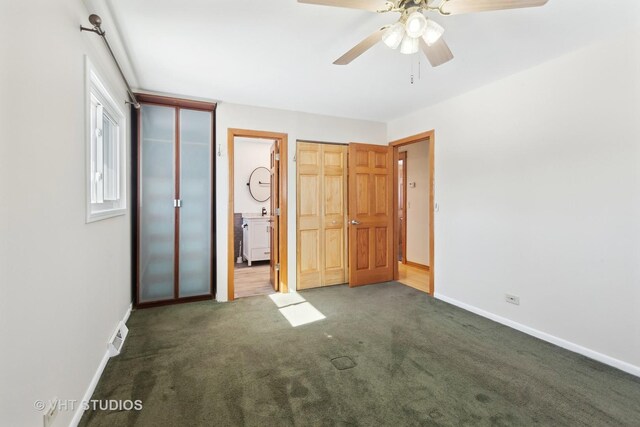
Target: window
106, 151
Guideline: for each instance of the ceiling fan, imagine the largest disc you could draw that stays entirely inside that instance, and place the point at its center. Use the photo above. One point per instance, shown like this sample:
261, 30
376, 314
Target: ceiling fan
414, 31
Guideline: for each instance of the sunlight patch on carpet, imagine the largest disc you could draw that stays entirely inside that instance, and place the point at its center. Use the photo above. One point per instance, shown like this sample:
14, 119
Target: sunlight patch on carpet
283, 300
301, 314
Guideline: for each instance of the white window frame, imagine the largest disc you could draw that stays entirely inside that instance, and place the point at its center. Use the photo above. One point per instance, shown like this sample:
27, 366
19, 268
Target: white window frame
98, 96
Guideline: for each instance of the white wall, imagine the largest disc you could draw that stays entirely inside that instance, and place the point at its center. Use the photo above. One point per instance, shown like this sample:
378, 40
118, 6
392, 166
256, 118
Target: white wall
249, 154
538, 182
64, 284
417, 215
298, 126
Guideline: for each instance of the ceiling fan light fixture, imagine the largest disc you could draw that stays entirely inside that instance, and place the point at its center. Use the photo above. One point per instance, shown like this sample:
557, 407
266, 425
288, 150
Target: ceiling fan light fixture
432, 33
393, 35
416, 24
409, 45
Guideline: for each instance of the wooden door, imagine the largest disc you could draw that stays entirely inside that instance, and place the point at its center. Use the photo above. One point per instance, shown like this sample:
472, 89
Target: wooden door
309, 251
334, 215
321, 211
371, 249
274, 261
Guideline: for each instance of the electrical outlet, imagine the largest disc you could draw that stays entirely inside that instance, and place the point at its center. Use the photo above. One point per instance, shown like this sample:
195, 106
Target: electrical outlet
512, 299
51, 413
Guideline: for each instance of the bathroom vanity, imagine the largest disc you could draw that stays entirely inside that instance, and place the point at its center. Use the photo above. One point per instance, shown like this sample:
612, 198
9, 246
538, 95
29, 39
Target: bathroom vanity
256, 237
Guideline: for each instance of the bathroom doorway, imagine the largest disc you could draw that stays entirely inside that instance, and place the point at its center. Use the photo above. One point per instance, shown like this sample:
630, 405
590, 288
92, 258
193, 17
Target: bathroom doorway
256, 205
252, 217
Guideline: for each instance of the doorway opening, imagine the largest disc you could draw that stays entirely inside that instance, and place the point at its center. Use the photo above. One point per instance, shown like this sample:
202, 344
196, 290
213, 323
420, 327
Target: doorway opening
414, 209
257, 213
402, 206
252, 213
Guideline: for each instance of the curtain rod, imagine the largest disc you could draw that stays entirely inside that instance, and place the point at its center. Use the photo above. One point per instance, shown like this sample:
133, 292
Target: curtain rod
96, 21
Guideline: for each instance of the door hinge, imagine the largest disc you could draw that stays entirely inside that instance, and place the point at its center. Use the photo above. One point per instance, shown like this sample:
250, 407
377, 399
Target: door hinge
277, 211
278, 157
277, 266
177, 203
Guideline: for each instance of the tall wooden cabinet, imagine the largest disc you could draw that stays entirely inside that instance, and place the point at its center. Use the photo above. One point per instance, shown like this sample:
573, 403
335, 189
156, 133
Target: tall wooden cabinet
174, 227
322, 215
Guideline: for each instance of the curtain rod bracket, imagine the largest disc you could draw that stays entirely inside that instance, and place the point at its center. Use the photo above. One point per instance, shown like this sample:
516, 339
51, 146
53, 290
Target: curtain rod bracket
96, 21
93, 30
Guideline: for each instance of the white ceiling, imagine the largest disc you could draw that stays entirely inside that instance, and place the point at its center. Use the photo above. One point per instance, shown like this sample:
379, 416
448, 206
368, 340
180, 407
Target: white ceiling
279, 53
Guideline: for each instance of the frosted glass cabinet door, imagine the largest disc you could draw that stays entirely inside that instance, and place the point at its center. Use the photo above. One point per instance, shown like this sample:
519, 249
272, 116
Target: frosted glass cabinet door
195, 194
157, 213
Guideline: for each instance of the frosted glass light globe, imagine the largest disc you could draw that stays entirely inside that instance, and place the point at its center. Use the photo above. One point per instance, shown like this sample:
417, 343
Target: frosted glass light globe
416, 24
393, 35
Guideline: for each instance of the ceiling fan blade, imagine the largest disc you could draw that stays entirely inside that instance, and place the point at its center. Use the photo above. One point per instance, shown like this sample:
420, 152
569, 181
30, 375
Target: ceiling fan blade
438, 53
360, 48
370, 5
455, 7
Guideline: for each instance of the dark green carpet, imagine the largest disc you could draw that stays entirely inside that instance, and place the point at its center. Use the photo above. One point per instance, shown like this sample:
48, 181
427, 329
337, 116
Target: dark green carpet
419, 361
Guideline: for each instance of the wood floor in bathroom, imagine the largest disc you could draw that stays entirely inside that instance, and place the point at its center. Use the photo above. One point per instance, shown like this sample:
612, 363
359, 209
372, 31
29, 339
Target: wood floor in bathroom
251, 281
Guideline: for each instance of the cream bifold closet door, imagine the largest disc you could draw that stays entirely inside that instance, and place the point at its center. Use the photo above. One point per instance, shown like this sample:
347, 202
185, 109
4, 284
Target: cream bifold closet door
322, 214
175, 201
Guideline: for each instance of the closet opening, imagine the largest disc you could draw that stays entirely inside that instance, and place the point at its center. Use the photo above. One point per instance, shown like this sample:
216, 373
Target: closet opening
413, 161
257, 213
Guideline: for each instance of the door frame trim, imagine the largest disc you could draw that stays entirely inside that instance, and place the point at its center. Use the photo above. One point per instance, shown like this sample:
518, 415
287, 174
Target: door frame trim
232, 133
429, 136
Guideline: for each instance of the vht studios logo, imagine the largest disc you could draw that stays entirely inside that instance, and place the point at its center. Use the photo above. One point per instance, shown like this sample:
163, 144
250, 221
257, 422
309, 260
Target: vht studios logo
86, 405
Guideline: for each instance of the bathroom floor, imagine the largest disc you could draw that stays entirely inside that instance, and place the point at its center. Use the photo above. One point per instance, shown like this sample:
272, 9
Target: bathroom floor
254, 280
245, 264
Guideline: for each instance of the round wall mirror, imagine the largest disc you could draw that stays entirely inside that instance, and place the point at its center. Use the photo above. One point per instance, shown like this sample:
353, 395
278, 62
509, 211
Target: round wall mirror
260, 184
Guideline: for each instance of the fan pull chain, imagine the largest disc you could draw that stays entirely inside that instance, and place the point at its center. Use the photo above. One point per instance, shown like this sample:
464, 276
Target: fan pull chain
411, 70
412, 75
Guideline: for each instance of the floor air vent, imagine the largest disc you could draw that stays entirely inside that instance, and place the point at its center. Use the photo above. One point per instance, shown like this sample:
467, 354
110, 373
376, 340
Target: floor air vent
343, 362
117, 339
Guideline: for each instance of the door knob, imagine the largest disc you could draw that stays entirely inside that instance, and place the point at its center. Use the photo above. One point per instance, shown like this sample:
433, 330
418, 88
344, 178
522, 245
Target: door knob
354, 222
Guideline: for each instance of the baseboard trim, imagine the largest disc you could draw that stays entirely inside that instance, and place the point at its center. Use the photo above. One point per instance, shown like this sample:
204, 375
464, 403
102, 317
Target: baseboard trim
568, 345
77, 416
